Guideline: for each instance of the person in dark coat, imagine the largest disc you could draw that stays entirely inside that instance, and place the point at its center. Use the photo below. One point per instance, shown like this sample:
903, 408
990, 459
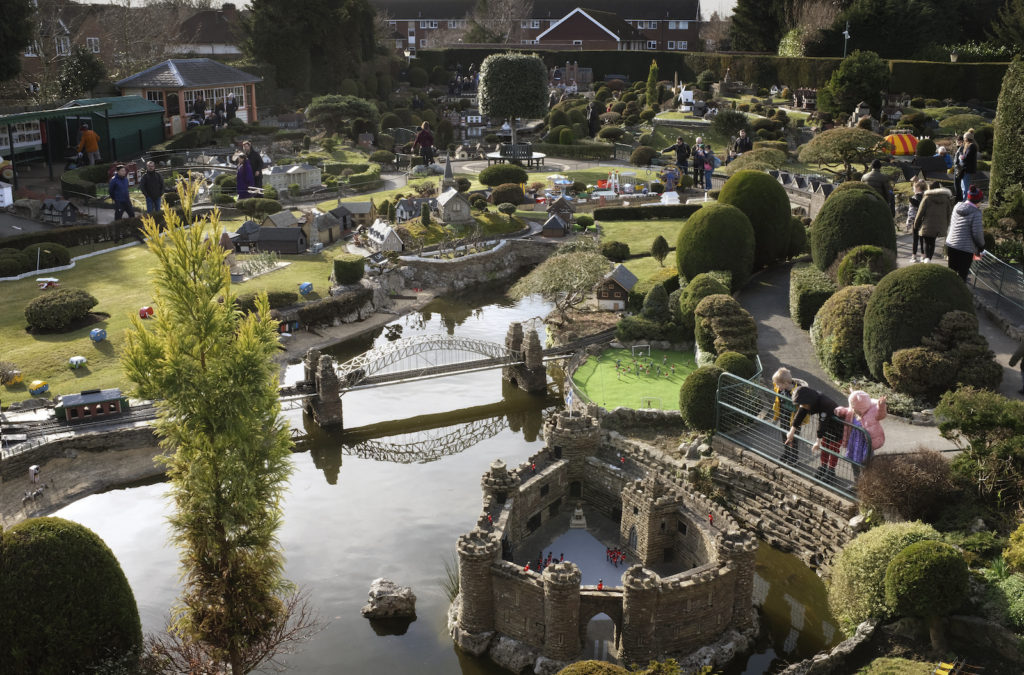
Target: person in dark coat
199, 108
742, 143
425, 142
682, 151
152, 186
830, 428
255, 161
968, 162
594, 118
230, 108
878, 180
118, 189
244, 179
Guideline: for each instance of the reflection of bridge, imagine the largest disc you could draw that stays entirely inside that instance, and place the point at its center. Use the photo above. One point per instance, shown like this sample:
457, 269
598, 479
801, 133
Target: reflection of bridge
415, 449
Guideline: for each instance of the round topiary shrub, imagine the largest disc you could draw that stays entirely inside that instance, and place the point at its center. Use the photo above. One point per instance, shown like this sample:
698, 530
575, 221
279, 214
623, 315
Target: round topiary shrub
849, 218
737, 364
14, 262
592, 668
722, 325
584, 221
58, 309
700, 287
906, 306
48, 254
925, 148
497, 174
223, 199
558, 118
765, 203
259, 208
697, 398
382, 157
643, 155
566, 137
927, 580
616, 251
67, 605
716, 237
857, 591
348, 268
865, 265
921, 372
798, 243
611, 133
838, 332
507, 192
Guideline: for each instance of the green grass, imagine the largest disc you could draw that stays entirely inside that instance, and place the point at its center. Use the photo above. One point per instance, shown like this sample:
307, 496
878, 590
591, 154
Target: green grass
640, 234
647, 267
120, 281
598, 379
887, 665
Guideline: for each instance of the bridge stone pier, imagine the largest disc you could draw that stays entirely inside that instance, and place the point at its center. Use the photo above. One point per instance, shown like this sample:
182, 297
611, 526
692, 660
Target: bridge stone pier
531, 375
325, 407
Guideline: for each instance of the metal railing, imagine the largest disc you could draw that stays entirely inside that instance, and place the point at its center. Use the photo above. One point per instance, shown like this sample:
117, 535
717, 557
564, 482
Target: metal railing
745, 416
1001, 284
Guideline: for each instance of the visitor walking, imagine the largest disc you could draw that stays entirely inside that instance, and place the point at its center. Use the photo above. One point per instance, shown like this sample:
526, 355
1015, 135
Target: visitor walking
698, 162
968, 161
915, 203
742, 143
710, 164
878, 180
152, 187
255, 161
958, 169
932, 218
118, 189
425, 142
966, 237
783, 410
243, 177
830, 428
89, 145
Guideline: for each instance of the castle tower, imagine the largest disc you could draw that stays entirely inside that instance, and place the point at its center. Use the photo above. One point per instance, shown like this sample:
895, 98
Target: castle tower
477, 550
535, 376
309, 364
639, 608
573, 438
739, 549
326, 405
561, 611
498, 482
448, 180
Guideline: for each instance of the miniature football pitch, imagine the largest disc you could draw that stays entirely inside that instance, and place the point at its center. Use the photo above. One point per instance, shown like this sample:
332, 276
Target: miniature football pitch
617, 378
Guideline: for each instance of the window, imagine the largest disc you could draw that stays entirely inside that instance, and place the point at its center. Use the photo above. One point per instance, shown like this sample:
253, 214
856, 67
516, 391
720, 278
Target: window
155, 97
652, 44
544, 490
453, 24
671, 44
93, 44
577, 43
681, 526
63, 44
392, 23
399, 44
681, 44
535, 23
524, 24
632, 538
684, 25
73, 412
671, 26
111, 407
423, 43
32, 49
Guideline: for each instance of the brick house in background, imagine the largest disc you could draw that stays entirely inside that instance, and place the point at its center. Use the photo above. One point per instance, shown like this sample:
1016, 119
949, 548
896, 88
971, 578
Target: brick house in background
659, 25
590, 29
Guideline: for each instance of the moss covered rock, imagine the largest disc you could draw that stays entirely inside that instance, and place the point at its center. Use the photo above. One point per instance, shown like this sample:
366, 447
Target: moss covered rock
838, 332
67, 606
717, 237
697, 397
766, 204
850, 218
906, 306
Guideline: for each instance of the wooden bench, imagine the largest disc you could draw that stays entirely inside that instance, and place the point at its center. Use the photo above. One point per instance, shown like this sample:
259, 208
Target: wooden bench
517, 153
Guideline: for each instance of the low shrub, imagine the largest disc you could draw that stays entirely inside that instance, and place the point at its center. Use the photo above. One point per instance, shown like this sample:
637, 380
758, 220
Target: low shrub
912, 486
348, 268
324, 312
59, 308
384, 157
497, 174
809, 288
48, 254
664, 276
838, 332
700, 287
722, 325
799, 243
611, 133
507, 192
697, 398
630, 328
920, 371
223, 199
616, 251
737, 364
1012, 590
14, 262
258, 208
584, 221
857, 591
592, 151
864, 265
925, 148
927, 579
247, 301
781, 146
643, 155
653, 212
1014, 552
656, 305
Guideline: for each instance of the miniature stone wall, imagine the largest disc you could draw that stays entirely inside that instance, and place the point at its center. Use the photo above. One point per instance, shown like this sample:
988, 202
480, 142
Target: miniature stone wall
501, 262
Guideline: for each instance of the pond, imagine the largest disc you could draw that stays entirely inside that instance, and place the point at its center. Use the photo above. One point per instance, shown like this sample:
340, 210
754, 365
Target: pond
389, 496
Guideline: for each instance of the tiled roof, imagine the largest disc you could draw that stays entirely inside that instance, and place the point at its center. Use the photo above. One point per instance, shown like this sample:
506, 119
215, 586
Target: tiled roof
623, 277
358, 208
280, 234
120, 106
91, 396
174, 73
448, 195
211, 26
685, 10
612, 22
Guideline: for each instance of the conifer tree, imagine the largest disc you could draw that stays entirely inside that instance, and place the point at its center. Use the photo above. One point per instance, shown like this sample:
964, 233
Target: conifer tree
652, 86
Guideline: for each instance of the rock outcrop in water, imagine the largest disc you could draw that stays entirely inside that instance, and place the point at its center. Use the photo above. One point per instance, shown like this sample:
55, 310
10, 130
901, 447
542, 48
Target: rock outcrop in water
388, 600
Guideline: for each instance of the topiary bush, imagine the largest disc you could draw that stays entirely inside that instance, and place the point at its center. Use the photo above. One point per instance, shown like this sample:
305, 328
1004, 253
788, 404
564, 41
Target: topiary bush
722, 325
58, 309
700, 287
716, 237
838, 332
611, 133
616, 251
348, 268
906, 306
697, 397
497, 174
48, 254
925, 148
766, 204
737, 364
508, 192
798, 243
566, 137
957, 336
857, 591
656, 305
809, 288
593, 668
849, 218
913, 486
14, 262
67, 605
259, 208
928, 580
921, 372
865, 265
384, 157
247, 301
643, 155
584, 221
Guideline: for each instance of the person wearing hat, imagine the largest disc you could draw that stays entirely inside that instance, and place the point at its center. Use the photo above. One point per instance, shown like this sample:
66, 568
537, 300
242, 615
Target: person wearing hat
830, 428
968, 161
965, 238
89, 144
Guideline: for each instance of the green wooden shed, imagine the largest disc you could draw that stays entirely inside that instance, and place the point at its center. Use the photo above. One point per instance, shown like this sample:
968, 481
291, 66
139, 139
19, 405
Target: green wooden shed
127, 129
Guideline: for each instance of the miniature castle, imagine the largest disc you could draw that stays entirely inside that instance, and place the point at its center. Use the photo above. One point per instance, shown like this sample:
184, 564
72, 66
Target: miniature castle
662, 523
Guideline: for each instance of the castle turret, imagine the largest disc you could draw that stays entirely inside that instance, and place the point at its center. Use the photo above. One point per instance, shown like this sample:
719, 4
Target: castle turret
739, 549
639, 607
573, 438
326, 405
498, 482
561, 611
477, 550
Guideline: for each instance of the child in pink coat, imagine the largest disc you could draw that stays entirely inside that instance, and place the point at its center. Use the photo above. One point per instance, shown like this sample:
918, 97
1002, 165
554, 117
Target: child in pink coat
867, 413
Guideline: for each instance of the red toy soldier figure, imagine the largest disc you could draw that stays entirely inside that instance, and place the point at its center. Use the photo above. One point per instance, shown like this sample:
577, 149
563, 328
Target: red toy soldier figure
490, 521
533, 467
600, 584
711, 518
527, 568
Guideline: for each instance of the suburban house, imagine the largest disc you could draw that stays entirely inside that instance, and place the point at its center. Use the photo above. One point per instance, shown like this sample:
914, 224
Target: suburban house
555, 24
412, 207
343, 216
283, 218
322, 228
362, 213
383, 237
453, 207
286, 240
216, 32
58, 211
246, 237
306, 176
614, 289
175, 84
554, 226
563, 208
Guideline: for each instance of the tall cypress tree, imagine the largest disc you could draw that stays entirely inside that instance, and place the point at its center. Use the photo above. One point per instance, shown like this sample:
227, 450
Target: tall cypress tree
1008, 143
652, 85
756, 26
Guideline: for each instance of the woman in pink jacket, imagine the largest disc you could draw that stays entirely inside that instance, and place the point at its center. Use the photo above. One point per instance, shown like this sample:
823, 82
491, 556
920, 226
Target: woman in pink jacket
867, 413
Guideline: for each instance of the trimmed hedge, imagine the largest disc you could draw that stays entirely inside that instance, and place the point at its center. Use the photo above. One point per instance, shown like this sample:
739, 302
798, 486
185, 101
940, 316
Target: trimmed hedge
663, 276
48, 254
865, 265
631, 328
653, 212
325, 312
594, 151
766, 204
906, 306
256, 206
717, 237
700, 287
496, 174
247, 301
799, 242
838, 332
84, 181
616, 251
848, 218
737, 364
348, 268
14, 262
643, 155
1007, 145
116, 231
511, 193
59, 308
927, 579
67, 607
697, 398
722, 325
809, 288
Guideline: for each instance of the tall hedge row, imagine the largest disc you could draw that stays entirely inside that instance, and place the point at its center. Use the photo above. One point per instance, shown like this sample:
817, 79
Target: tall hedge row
348, 268
653, 212
1008, 144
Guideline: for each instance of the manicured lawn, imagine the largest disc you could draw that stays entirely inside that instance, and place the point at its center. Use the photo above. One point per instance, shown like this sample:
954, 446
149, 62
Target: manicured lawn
640, 234
120, 281
896, 666
610, 386
647, 267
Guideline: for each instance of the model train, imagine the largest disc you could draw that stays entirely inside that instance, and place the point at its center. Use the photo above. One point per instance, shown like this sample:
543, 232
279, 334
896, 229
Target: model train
90, 405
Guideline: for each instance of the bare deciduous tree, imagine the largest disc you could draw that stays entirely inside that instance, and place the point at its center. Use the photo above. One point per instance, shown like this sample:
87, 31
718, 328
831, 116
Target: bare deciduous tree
499, 21
715, 32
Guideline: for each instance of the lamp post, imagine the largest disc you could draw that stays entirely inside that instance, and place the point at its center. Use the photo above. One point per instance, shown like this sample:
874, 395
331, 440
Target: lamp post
39, 255
846, 38
408, 55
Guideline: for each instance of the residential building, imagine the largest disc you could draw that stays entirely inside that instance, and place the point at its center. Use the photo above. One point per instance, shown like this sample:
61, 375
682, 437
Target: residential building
361, 214
283, 218
279, 177
383, 237
322, 228
613, 291
412, 207
453, 207
285, 240
215, 32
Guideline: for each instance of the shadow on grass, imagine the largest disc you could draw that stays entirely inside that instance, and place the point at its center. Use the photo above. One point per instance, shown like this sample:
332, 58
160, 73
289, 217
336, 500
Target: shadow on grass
81, 371
104, 347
